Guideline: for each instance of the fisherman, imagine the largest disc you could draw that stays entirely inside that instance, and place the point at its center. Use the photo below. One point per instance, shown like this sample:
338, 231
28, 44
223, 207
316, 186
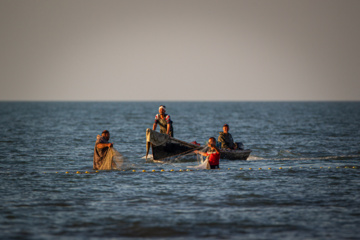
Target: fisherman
101, 147
226, 139
164, 121
213, 152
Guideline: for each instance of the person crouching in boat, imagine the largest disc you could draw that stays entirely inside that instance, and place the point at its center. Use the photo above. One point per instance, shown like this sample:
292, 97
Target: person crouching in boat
164, 122
213, 152
101, 146
226, 140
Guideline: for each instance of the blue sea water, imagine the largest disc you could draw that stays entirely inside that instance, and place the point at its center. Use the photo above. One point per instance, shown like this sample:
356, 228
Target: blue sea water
302, 180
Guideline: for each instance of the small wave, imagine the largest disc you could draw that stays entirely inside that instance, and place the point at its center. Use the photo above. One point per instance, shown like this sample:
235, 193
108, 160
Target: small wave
287, 153
253, 158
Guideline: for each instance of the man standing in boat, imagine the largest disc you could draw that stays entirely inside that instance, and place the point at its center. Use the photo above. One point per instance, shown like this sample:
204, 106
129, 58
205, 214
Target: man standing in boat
226, 140
164, 122
101, 147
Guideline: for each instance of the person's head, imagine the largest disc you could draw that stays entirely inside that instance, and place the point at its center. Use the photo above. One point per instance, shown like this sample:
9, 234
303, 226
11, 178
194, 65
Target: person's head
212, 141
106, 134
162, 109
226, 128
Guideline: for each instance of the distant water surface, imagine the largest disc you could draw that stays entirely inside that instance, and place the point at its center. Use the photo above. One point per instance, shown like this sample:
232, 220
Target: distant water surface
307, 187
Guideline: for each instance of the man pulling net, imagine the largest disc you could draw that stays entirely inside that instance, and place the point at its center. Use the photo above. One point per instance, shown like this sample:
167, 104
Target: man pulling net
212, 154
105, 156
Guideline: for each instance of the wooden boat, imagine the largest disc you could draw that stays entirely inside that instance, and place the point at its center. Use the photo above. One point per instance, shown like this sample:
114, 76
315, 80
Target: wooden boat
164, 147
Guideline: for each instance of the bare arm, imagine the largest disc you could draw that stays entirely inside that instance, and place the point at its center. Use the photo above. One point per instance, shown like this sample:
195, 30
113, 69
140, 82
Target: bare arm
201, 153
104, 145
168, 129
154, 126
216, 149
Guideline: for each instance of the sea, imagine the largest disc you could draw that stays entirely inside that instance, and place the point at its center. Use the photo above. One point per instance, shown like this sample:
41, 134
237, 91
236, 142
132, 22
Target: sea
301, 181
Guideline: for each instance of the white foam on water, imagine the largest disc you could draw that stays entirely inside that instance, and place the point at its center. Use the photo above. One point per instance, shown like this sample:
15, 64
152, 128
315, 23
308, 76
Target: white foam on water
254, 158
149, 157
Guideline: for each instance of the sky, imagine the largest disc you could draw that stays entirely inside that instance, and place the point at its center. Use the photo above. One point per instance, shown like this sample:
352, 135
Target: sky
186, 50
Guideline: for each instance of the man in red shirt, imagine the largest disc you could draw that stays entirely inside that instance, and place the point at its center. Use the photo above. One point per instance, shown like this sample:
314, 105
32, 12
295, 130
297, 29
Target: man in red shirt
213, 152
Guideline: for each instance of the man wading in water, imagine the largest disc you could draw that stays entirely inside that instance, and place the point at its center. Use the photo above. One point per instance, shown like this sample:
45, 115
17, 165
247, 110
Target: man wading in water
164, 121
213, 152
101, 147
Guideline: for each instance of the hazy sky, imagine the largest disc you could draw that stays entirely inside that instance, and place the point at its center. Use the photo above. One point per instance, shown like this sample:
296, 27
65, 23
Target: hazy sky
179, 50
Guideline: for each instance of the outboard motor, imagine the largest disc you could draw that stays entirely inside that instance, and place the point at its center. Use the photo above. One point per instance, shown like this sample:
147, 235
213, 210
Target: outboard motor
240, 145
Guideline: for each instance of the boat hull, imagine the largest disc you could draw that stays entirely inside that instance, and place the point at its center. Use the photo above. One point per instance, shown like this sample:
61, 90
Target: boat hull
171, 149
235, 154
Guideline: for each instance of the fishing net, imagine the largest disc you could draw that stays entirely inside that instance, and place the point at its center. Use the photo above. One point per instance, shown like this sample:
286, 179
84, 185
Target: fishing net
154, 139
113, 160
203, 162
